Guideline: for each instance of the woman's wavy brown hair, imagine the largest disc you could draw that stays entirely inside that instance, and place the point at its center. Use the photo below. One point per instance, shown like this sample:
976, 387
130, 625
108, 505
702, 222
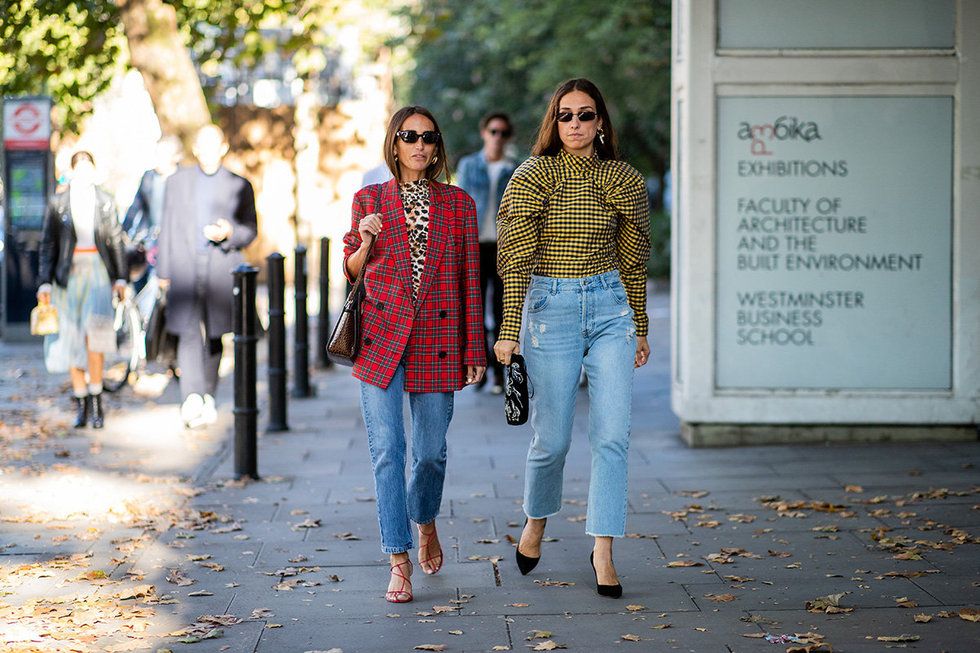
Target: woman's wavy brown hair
548, 142
435, 170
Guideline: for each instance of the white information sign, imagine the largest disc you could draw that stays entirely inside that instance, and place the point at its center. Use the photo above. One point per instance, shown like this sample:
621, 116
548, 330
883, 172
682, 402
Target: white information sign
834, 242
26, 123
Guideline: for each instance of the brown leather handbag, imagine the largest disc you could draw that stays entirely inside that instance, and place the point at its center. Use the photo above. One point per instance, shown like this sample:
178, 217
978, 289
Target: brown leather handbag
346, 337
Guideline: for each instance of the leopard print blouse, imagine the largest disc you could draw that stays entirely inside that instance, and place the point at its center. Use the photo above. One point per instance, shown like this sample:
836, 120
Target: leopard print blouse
415, 200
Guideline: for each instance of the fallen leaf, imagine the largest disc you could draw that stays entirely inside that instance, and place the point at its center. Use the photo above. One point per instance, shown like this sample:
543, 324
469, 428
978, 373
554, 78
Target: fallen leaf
177, 577
219, 619
856, 489
553, 583
201, 593
455, 632
821, 603
261, 613
754, 635
720, 598
518, 605
694, 494
629, 637
500, 647
443, 609
273, 625
970, 614
430, 647
548, 645
635, 607
738, 579
347, 536
906, 602
685, 563
922, 618
660, 626
538, 634
898, 638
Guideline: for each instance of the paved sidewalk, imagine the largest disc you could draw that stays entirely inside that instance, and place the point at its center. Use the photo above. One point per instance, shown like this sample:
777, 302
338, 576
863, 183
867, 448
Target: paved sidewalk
726, 546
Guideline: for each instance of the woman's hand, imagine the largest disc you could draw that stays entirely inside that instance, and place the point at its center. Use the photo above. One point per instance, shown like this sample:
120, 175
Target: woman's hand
474, 373
119, 289
44, 294
369, 227
642, 351
504, 349
218, 232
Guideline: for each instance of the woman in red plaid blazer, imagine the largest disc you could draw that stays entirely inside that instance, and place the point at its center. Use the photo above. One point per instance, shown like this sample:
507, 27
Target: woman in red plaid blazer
421, 331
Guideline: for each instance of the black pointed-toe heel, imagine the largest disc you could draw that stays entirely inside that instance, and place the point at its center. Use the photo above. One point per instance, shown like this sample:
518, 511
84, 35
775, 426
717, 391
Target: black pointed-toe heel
611, 591
525, 563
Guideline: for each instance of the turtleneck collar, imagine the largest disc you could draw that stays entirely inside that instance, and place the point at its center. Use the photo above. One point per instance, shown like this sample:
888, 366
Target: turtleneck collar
578, 164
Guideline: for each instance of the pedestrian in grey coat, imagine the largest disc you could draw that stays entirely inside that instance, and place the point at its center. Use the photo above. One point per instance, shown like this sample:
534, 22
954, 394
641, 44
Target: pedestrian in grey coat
208, 218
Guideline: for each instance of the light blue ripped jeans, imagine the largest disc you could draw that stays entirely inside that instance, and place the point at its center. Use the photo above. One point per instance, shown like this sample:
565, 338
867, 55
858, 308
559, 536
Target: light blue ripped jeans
420, 500
571, 323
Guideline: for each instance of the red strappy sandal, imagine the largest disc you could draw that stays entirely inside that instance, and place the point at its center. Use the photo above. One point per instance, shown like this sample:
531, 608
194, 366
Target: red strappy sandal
392, 595
429, 538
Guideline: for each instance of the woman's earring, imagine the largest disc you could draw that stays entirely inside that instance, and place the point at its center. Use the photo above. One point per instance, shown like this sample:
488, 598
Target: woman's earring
396, 156
434, 160
602, 136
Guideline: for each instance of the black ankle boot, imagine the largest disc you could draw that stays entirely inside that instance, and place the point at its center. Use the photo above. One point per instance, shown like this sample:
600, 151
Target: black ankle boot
81, 411
98, 417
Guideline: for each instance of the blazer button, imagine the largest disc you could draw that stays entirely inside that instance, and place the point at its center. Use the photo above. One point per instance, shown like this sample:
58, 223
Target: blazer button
442, 314
442, 354
367, 342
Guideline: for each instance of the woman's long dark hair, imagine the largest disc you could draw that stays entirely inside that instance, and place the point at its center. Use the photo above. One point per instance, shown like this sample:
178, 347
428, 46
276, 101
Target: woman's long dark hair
439, 168
548, 142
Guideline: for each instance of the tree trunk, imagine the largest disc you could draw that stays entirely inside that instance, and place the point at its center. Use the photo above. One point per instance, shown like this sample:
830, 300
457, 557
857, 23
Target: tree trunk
157, 51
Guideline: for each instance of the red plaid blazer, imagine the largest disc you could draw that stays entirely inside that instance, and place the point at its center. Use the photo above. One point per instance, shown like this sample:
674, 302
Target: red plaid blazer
441, 334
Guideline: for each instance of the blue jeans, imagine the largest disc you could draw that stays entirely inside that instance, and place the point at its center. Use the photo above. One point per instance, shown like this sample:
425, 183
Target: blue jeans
431, 414
571, 323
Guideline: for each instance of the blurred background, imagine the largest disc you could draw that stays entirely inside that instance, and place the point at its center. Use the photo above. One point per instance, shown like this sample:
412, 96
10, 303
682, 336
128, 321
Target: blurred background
303, 88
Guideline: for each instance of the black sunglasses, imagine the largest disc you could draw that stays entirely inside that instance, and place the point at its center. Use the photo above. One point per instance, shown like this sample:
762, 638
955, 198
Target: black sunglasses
411, 136
583, 116
506, 133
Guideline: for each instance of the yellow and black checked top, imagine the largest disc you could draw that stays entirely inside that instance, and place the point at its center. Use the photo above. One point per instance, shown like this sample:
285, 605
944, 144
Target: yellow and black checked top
571, 216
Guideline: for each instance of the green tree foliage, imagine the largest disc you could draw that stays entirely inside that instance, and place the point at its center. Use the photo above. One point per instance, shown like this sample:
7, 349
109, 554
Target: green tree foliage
480, 55
70, 49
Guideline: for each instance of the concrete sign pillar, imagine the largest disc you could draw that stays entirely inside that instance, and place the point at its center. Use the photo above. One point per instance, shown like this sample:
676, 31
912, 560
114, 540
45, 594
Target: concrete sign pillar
826, 254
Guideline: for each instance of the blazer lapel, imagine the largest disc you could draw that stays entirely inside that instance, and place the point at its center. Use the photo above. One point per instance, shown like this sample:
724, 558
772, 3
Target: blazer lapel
393, 227
438, 238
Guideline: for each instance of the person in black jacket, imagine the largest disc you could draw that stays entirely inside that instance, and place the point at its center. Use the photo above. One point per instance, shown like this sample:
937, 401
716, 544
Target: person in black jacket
208, 218
142, 221
82, 264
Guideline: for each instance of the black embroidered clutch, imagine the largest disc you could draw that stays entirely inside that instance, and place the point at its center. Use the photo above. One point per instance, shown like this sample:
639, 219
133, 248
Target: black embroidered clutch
517, 397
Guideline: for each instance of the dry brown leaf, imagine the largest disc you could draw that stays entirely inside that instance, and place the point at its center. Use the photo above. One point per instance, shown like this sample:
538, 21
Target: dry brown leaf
754, 635
629, 637
538, 634
898, 638
660, 626
455, 632
553, 583
856, 489
922, 618
738, 579
906, 602
201, 593
635, 607
177, 577
548, 645
821, 603
685, 563
720, 598
500, 647
518, 605
970, 614
347, 536
443, 609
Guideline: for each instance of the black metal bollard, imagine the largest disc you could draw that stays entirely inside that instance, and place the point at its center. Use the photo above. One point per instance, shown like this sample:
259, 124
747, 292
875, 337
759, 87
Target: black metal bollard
246, 411
323, 317
277, 343
301, 332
